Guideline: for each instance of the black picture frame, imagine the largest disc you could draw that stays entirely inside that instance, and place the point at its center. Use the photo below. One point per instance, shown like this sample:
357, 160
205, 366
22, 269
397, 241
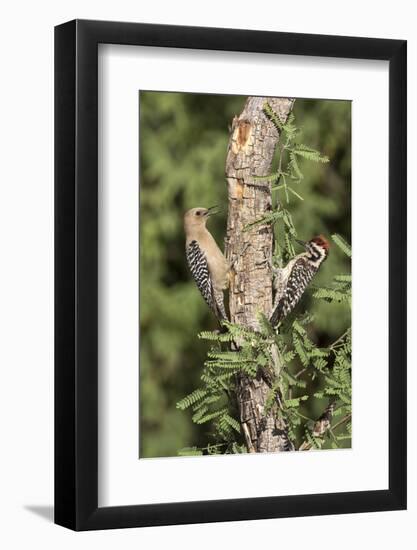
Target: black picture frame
76, 272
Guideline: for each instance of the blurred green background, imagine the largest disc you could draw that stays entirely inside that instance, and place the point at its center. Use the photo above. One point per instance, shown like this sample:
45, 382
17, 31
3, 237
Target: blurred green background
183, 143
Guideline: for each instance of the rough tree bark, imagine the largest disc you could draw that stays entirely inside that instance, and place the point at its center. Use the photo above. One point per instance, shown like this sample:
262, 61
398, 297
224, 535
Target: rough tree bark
251, 149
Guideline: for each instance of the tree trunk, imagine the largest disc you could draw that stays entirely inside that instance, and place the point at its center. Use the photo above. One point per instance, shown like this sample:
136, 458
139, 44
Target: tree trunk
251, 149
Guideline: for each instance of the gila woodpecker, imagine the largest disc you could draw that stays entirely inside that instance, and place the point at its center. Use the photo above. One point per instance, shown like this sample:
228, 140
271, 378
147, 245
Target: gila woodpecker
206, 261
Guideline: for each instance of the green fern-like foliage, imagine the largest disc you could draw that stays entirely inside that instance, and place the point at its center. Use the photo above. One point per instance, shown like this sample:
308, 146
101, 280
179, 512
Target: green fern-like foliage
340, 289
342, 244
307, 371
214, 402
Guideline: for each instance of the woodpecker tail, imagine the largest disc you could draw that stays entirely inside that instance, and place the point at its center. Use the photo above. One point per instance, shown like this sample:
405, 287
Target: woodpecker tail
219, 303
277, 315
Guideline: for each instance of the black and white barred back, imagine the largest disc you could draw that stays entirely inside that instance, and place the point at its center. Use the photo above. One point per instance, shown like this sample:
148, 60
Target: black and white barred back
197, 262
301, 274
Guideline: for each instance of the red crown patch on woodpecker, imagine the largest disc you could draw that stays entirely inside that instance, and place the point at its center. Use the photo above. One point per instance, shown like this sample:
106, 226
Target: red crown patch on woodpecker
321, 241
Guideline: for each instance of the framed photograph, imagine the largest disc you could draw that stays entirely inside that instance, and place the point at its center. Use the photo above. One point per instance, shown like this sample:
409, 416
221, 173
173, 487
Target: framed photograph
230, 252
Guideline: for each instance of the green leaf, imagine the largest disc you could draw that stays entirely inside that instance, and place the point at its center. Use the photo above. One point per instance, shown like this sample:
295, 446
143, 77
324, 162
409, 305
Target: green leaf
289, 356
262, 360
331, 295
320, 363
226, 418
190, 399
190, 451
200, 413
293, 165
310, 154
293, 381
343, 278
272, 217
290, 403
272, 178
294, 193
229, 356
289, 223
272, 115
238, 449
342, 244
211, 416
215, 336
299, 348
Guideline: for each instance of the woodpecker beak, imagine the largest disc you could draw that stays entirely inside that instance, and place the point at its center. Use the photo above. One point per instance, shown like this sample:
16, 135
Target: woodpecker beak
213, 210
303, 243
